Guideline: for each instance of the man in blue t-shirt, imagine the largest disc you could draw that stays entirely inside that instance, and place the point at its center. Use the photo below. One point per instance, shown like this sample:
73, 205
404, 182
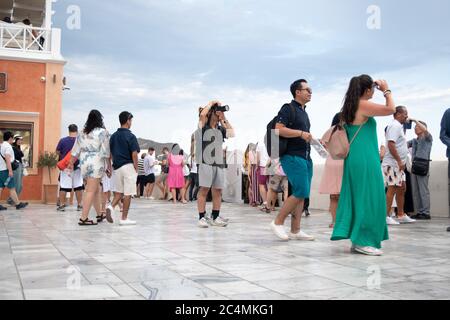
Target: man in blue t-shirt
124, 153
293, 124
69, 181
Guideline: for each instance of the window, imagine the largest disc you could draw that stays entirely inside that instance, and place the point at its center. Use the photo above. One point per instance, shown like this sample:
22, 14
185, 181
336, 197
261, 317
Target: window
3, 82
24, 129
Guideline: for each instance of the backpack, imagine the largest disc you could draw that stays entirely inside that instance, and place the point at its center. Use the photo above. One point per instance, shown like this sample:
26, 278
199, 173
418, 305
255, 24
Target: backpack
275, 150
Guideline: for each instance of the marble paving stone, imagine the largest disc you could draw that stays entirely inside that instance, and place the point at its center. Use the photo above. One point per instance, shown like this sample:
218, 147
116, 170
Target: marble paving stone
294, 285
53, 278
175, 289
233, 288
103, 278
345, 293
86, 292
124, 290
166, 256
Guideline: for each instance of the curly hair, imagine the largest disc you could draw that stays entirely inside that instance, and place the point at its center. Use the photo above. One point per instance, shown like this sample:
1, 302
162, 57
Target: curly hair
94, 121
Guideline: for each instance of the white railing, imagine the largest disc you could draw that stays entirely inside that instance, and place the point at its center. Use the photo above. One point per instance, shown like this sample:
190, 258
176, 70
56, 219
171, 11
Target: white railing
25, 39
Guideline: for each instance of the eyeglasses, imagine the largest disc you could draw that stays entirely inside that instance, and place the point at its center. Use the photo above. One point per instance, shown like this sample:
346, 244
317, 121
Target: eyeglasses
307, 89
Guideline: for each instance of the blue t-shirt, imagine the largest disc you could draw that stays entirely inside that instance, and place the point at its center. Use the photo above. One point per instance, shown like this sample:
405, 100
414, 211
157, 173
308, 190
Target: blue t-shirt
123, 143
65, 145
296, 146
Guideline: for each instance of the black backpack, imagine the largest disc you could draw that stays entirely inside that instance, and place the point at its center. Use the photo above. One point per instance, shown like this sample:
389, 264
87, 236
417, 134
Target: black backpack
271, 146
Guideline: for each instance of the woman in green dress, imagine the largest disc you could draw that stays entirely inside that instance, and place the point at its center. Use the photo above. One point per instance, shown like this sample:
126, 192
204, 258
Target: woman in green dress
361, 213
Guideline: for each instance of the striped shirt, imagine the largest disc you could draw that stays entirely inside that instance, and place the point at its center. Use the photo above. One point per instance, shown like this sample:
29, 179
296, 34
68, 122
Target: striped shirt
141, 171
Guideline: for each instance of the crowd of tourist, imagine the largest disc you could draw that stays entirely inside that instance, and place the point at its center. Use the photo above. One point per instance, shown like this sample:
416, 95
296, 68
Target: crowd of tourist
363, 186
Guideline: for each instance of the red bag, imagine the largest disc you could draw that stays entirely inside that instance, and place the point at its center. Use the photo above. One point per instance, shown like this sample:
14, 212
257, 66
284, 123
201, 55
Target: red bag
64, 163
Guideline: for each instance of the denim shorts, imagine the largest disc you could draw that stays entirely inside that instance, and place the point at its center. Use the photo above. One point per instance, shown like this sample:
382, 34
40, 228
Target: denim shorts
4, 175
299, 172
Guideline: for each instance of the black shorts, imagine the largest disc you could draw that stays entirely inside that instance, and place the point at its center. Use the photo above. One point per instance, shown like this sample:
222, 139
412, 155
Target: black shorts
150, 178
140, 179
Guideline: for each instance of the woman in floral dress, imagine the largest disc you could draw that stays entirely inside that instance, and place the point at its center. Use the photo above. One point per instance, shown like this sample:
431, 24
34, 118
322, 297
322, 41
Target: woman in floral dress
92, 149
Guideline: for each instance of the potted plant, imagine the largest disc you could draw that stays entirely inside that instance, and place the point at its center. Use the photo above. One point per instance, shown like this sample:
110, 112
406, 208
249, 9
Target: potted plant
49, 160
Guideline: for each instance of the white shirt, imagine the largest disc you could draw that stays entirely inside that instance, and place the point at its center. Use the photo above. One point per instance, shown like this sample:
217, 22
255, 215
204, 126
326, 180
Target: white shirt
149, 162
194, 167
263, 156
5, 149
396, 134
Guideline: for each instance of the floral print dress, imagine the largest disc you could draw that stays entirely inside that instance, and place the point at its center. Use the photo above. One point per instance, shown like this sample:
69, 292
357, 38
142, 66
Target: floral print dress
92, 150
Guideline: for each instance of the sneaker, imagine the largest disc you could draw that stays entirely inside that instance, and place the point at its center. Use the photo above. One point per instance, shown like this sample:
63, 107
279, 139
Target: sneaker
369, 251
151, 198
421, 217
307, 213
209, 220
405, 219
301, 236
127, 222
2, 208
203, 223
22, 205
225, 219
219, 222
391, 222
279, 231
109, 213
61, 208
79, 208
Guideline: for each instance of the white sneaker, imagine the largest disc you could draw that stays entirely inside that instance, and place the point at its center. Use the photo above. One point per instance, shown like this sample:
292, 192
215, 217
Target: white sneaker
301, 236
203, 223
127, 222
405, 219
219, 222
109, 213
369, 251
151, 198
279, 231
391, 222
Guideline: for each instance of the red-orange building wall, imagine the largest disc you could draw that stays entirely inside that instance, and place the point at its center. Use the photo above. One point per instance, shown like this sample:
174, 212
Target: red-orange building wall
27, 93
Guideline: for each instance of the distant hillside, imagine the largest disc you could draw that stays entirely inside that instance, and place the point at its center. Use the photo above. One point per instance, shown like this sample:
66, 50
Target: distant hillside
144, 144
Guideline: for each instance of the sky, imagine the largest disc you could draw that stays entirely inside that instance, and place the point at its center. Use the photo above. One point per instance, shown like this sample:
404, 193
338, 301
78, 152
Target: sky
161, 60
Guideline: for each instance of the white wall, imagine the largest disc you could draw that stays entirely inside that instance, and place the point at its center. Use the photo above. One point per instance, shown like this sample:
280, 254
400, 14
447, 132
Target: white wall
438, 189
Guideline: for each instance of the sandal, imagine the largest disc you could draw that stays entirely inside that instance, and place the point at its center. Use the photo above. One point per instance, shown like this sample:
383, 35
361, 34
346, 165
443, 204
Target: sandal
101, 218
87, 222
265, 209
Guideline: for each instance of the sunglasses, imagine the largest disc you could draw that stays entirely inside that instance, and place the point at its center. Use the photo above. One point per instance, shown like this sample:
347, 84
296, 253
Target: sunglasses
307, 89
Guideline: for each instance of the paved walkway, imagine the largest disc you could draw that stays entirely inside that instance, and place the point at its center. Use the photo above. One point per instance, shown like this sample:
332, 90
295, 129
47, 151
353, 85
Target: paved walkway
46, 255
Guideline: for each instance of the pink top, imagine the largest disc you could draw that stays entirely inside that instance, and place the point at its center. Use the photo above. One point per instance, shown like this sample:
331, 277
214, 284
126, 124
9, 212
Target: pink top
175, 179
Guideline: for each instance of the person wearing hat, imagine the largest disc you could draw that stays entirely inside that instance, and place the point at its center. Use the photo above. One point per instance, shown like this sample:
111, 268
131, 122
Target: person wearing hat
18, 174
7, 167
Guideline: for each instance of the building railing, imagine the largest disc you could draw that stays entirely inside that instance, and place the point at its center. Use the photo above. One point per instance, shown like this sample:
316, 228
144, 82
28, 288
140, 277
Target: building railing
24, 40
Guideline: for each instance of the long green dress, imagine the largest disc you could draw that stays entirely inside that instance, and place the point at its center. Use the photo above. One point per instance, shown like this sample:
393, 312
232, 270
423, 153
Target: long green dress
361, 213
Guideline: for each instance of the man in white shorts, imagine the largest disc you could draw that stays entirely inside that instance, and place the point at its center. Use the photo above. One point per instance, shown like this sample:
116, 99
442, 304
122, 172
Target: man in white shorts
69, 181
394, 164
124, 152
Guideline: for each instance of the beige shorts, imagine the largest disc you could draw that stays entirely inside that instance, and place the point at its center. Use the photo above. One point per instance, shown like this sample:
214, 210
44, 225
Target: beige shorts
124, 180
393, 176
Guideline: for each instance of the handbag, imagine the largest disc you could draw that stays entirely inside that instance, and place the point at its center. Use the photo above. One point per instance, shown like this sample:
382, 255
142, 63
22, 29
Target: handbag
337, 143
14, 164
420, 167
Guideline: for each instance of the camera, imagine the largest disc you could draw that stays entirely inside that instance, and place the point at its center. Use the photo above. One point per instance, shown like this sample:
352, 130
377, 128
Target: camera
220, 108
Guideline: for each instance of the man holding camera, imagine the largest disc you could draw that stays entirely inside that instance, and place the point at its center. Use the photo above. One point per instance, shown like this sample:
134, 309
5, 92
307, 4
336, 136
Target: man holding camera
214, 128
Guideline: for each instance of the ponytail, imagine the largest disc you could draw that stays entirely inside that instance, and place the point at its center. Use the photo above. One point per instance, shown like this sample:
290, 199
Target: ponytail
356, 89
